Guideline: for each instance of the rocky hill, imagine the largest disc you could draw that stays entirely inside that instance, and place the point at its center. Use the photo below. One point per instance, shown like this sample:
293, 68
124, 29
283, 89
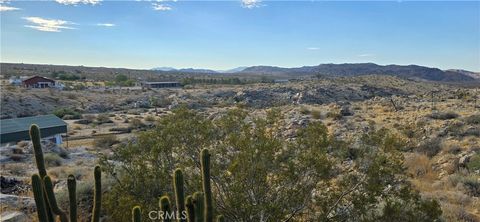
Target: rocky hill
359, 69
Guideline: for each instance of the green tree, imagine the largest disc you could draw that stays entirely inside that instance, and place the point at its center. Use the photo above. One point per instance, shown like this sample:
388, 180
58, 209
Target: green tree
121, 78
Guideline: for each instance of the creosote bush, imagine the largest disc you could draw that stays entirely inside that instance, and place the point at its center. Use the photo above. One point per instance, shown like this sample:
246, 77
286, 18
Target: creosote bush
105, 141
443, 115
257, 175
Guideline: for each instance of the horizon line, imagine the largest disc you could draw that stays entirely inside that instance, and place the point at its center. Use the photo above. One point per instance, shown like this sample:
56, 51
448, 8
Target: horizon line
220, 70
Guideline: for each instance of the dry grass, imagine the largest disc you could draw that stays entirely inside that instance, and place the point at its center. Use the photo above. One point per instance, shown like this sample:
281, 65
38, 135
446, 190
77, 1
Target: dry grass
419, 166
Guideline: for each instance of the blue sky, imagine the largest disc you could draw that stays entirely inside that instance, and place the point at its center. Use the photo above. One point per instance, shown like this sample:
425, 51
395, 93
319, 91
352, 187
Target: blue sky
227, 34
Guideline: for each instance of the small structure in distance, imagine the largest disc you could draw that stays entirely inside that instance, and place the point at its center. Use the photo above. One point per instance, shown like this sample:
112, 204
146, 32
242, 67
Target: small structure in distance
17, 129
39, 82
157, 85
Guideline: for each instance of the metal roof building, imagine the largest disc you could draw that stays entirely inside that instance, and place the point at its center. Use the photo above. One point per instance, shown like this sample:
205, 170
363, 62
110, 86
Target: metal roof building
17, 129
161, 84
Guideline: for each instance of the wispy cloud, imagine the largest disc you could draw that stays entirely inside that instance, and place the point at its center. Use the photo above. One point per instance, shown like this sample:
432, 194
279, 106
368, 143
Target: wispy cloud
251, 3
161, 7
76, 2
48, 25
366, 55
313, 48
106, 24
4, 8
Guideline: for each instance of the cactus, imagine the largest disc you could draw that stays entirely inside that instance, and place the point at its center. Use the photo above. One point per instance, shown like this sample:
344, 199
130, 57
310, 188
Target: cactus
37, 148
52, 201
72, 197
165, 208
179, 194
136, 214
190, 209
38, 195
207, 189
97, 199
198, 203
43, 188
220, 218
40, 162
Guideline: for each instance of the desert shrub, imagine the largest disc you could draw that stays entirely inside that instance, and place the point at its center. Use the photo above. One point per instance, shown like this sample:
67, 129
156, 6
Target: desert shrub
105, 141
72, 96
472, 185
430, 147
136, 124
61, 112
52, 159
250, 159
304, 110
418, 165
121, 129
17, 169
89, 117
457, 213
103, 118
474, 162
473, 119
455, 128
150, 118
336, 115
316, 114
453, 149
443, 115
468, 181
472, 131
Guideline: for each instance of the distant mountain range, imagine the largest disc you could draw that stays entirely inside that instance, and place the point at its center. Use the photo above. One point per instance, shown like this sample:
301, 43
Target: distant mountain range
193, 70
414, 72
348, 69
358, 69
187, 70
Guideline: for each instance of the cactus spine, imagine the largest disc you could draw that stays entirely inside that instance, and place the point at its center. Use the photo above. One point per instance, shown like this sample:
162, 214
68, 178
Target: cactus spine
207, 189
38, 195
179, 194
190, 209
136, 214
52, 201
97, 199
165, 208
198, 202
72, 197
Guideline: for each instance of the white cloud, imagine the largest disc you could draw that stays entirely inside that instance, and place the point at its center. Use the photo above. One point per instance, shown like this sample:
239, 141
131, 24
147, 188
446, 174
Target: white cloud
161, 7
313, 48
4, 8
251, 3
366, 55
105, 24
76, 2
48, 25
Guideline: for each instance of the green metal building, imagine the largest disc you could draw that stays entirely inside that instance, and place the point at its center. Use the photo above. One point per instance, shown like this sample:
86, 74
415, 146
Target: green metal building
17, 129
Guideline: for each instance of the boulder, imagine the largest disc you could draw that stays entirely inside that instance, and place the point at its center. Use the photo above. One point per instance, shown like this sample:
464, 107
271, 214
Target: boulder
13, 216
